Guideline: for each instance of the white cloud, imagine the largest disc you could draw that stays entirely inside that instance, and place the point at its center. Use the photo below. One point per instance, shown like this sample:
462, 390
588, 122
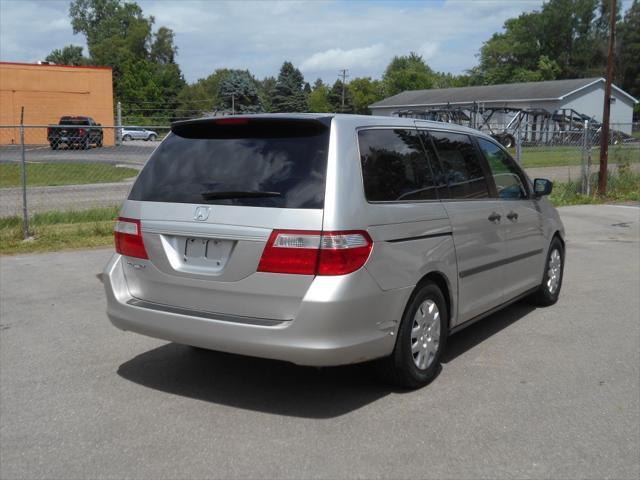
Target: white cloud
336, 58
428, 50
320, 37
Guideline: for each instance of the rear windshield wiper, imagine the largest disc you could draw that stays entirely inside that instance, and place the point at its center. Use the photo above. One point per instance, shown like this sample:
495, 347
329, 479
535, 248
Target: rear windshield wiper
216, 195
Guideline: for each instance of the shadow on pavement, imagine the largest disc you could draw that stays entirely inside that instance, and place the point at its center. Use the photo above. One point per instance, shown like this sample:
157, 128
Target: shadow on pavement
478, 332
255, 384
282, 388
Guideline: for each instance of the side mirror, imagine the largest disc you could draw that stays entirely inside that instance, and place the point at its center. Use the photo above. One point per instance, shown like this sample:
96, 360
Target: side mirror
542, 187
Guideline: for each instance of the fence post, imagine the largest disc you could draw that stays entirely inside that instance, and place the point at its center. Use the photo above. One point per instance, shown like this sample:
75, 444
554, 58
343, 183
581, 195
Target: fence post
118, 123
23, 174
585, 172
518, 146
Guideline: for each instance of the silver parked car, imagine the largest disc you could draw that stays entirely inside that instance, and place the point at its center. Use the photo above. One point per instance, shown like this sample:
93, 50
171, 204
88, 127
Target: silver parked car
138, 133
330, 239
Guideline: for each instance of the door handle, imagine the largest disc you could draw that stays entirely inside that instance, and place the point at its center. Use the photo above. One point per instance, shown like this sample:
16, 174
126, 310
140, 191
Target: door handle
495, 217
513, 216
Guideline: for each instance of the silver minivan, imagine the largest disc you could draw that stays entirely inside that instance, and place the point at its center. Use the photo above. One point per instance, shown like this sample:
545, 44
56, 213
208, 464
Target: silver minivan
330, 239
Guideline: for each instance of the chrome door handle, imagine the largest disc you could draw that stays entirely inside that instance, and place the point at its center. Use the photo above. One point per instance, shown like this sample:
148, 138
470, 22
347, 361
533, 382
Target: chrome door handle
513, 216
495, 217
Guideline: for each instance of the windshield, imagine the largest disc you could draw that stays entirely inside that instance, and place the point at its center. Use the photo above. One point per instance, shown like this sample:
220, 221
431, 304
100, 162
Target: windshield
259, 164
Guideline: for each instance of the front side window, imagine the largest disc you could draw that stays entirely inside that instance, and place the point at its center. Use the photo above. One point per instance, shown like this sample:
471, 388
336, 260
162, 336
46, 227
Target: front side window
394, 166
462, 171
505, 173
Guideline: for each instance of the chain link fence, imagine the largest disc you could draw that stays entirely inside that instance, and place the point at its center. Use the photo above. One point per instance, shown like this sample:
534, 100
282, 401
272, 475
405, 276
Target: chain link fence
79, 167
70, 167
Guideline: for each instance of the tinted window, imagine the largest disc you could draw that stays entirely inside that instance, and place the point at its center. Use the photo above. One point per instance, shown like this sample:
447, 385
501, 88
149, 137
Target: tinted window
73, 121
201, 163
505, 173
461, 166
394, 167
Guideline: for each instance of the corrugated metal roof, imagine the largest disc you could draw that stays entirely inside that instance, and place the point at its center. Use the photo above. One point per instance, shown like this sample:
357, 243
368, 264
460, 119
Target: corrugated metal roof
509, 92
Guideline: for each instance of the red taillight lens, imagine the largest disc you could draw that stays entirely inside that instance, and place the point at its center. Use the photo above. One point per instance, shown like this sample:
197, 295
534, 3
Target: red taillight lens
81, 131
343, 252
128, 237
315, 253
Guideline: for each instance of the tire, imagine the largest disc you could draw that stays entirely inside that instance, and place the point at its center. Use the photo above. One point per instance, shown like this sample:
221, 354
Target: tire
507, 140
126, 138
152, 138
549, 290
99, 142
85, 145
54, 145
410, 366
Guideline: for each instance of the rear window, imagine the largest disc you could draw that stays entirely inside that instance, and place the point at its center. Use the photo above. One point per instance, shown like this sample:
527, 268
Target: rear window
73, 121
258, 163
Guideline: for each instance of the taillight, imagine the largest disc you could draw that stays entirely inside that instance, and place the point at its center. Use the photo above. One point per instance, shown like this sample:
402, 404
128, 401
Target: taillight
128, 237
315, 253
81, 131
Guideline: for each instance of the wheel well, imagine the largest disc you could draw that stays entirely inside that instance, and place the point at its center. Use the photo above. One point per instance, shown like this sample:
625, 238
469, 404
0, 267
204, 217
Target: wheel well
441, 282
557, 234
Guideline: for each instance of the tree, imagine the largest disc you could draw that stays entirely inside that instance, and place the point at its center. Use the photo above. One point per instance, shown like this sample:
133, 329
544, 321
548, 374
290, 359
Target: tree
407, 73
163, 50
289, 95
335, 98
145, 75
564, 39
628, 58
238, 91
69, 55
266, 90
319, 98
365, 91
201, 97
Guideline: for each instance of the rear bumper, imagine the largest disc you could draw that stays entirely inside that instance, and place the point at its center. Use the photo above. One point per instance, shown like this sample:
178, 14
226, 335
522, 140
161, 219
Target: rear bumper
341, 320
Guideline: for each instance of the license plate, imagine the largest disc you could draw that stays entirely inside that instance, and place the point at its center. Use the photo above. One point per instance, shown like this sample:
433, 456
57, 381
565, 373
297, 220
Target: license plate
208, 250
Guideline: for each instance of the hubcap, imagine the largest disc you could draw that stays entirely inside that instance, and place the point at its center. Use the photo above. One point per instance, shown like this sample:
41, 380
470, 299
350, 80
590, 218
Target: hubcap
425, 334
554, 271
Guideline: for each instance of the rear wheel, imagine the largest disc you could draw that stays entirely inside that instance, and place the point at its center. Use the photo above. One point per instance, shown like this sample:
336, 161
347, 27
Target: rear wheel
422, 336
85, 144
126, 138
152, 138
549, 290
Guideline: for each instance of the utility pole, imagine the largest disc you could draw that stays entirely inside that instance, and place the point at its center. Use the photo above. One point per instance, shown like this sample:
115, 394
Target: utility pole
604, 134
343, 74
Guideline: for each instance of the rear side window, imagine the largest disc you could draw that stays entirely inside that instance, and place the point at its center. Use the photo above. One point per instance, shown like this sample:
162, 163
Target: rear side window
461, 166
394, 166
257, 163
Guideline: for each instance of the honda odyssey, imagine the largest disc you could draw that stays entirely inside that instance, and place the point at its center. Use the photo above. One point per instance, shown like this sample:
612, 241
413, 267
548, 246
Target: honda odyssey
330, 239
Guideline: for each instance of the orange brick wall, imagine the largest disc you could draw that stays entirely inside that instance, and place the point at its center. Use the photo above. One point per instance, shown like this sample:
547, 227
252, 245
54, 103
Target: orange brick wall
48, 92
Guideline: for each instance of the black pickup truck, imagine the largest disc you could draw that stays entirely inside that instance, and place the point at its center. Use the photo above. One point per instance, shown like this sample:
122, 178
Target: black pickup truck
78, 132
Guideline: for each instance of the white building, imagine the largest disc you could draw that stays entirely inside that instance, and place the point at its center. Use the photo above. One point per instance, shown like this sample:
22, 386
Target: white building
584, 95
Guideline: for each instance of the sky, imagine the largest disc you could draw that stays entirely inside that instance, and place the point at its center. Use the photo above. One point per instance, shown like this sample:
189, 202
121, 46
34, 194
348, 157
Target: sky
319, 37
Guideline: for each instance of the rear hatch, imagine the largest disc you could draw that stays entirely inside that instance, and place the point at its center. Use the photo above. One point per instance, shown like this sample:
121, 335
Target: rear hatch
208, 200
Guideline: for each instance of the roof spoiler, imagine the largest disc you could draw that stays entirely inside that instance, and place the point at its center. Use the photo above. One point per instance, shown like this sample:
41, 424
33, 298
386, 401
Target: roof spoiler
251, 127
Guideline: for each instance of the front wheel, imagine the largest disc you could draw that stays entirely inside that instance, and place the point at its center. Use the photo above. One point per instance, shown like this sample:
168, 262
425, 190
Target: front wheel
549, 290
152, 138
422, 336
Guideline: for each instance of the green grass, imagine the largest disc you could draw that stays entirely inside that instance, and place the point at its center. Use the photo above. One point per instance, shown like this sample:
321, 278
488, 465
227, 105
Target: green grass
623, 185
59, 231
55, 174
562, 156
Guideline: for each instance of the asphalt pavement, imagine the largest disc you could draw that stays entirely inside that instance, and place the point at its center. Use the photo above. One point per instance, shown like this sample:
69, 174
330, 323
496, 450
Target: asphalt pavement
526, 393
